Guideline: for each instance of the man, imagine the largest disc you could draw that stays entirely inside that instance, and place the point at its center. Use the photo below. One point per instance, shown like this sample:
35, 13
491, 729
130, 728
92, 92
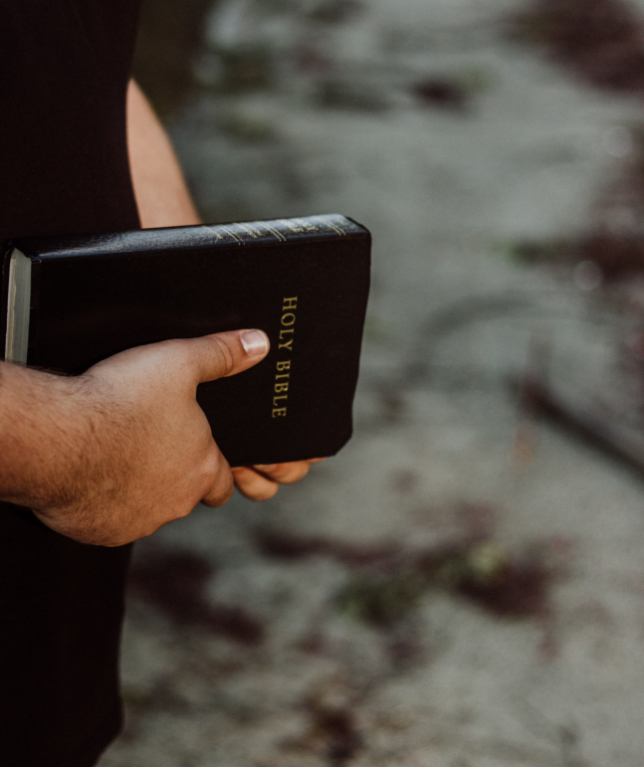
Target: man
108, 457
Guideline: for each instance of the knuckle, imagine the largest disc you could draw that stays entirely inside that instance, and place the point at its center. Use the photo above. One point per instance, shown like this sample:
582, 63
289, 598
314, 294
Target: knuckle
220, 481
220, 496
227, 493
225, 355
214, 465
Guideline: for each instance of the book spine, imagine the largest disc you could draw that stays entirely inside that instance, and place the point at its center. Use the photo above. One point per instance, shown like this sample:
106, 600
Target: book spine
276, 231
282, 230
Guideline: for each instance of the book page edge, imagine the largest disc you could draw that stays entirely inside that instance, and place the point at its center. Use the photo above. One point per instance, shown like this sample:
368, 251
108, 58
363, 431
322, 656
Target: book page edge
18, 306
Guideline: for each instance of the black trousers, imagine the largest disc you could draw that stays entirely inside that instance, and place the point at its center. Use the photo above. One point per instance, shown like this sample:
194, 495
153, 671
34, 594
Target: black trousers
61, 611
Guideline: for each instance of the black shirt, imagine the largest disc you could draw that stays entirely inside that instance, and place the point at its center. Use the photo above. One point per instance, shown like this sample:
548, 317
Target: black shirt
63, 169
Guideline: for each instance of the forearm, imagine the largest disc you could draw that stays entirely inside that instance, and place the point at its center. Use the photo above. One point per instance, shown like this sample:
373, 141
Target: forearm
160, 189
44, 437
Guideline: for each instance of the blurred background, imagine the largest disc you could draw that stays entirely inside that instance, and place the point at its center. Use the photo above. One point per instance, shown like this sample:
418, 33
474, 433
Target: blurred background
463, 586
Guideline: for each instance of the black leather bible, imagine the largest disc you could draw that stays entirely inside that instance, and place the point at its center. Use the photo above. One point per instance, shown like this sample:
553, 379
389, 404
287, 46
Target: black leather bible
70, 301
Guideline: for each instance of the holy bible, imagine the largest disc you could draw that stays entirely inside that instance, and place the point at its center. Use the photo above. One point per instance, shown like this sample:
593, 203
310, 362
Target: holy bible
70, 301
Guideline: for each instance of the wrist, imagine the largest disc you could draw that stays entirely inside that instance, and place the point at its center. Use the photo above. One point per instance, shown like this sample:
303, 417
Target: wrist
46, 428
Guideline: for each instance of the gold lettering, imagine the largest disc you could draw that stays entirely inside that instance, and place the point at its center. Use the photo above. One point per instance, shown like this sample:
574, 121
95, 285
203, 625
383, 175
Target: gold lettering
249, 230
290, 225
306, 224
289, 305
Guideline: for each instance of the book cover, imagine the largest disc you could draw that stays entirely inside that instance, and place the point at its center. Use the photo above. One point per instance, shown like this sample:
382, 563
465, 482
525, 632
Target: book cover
69, 302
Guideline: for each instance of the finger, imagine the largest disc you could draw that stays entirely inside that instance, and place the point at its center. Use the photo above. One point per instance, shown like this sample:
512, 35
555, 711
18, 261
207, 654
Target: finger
284, 473
223, 484
315, 460
254, 485
226, 354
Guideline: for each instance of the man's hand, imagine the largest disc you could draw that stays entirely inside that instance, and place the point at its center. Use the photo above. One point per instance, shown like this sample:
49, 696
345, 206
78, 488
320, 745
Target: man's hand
163, 199
110, 456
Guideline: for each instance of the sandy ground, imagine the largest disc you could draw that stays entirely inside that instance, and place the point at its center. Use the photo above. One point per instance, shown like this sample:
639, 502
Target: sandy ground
460, 587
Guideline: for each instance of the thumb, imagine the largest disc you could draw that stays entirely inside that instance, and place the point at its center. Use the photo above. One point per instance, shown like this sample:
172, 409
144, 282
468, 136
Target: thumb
226, 354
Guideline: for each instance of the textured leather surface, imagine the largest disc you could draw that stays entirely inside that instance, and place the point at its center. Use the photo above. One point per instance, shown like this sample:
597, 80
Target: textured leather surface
187, 237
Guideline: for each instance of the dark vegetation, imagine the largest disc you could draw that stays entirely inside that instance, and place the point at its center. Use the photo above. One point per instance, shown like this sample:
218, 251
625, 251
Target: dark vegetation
618, 256
332, 731
288, 546
602, 41
336, 728
334, 11
389, 581
175, 582
443, 93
